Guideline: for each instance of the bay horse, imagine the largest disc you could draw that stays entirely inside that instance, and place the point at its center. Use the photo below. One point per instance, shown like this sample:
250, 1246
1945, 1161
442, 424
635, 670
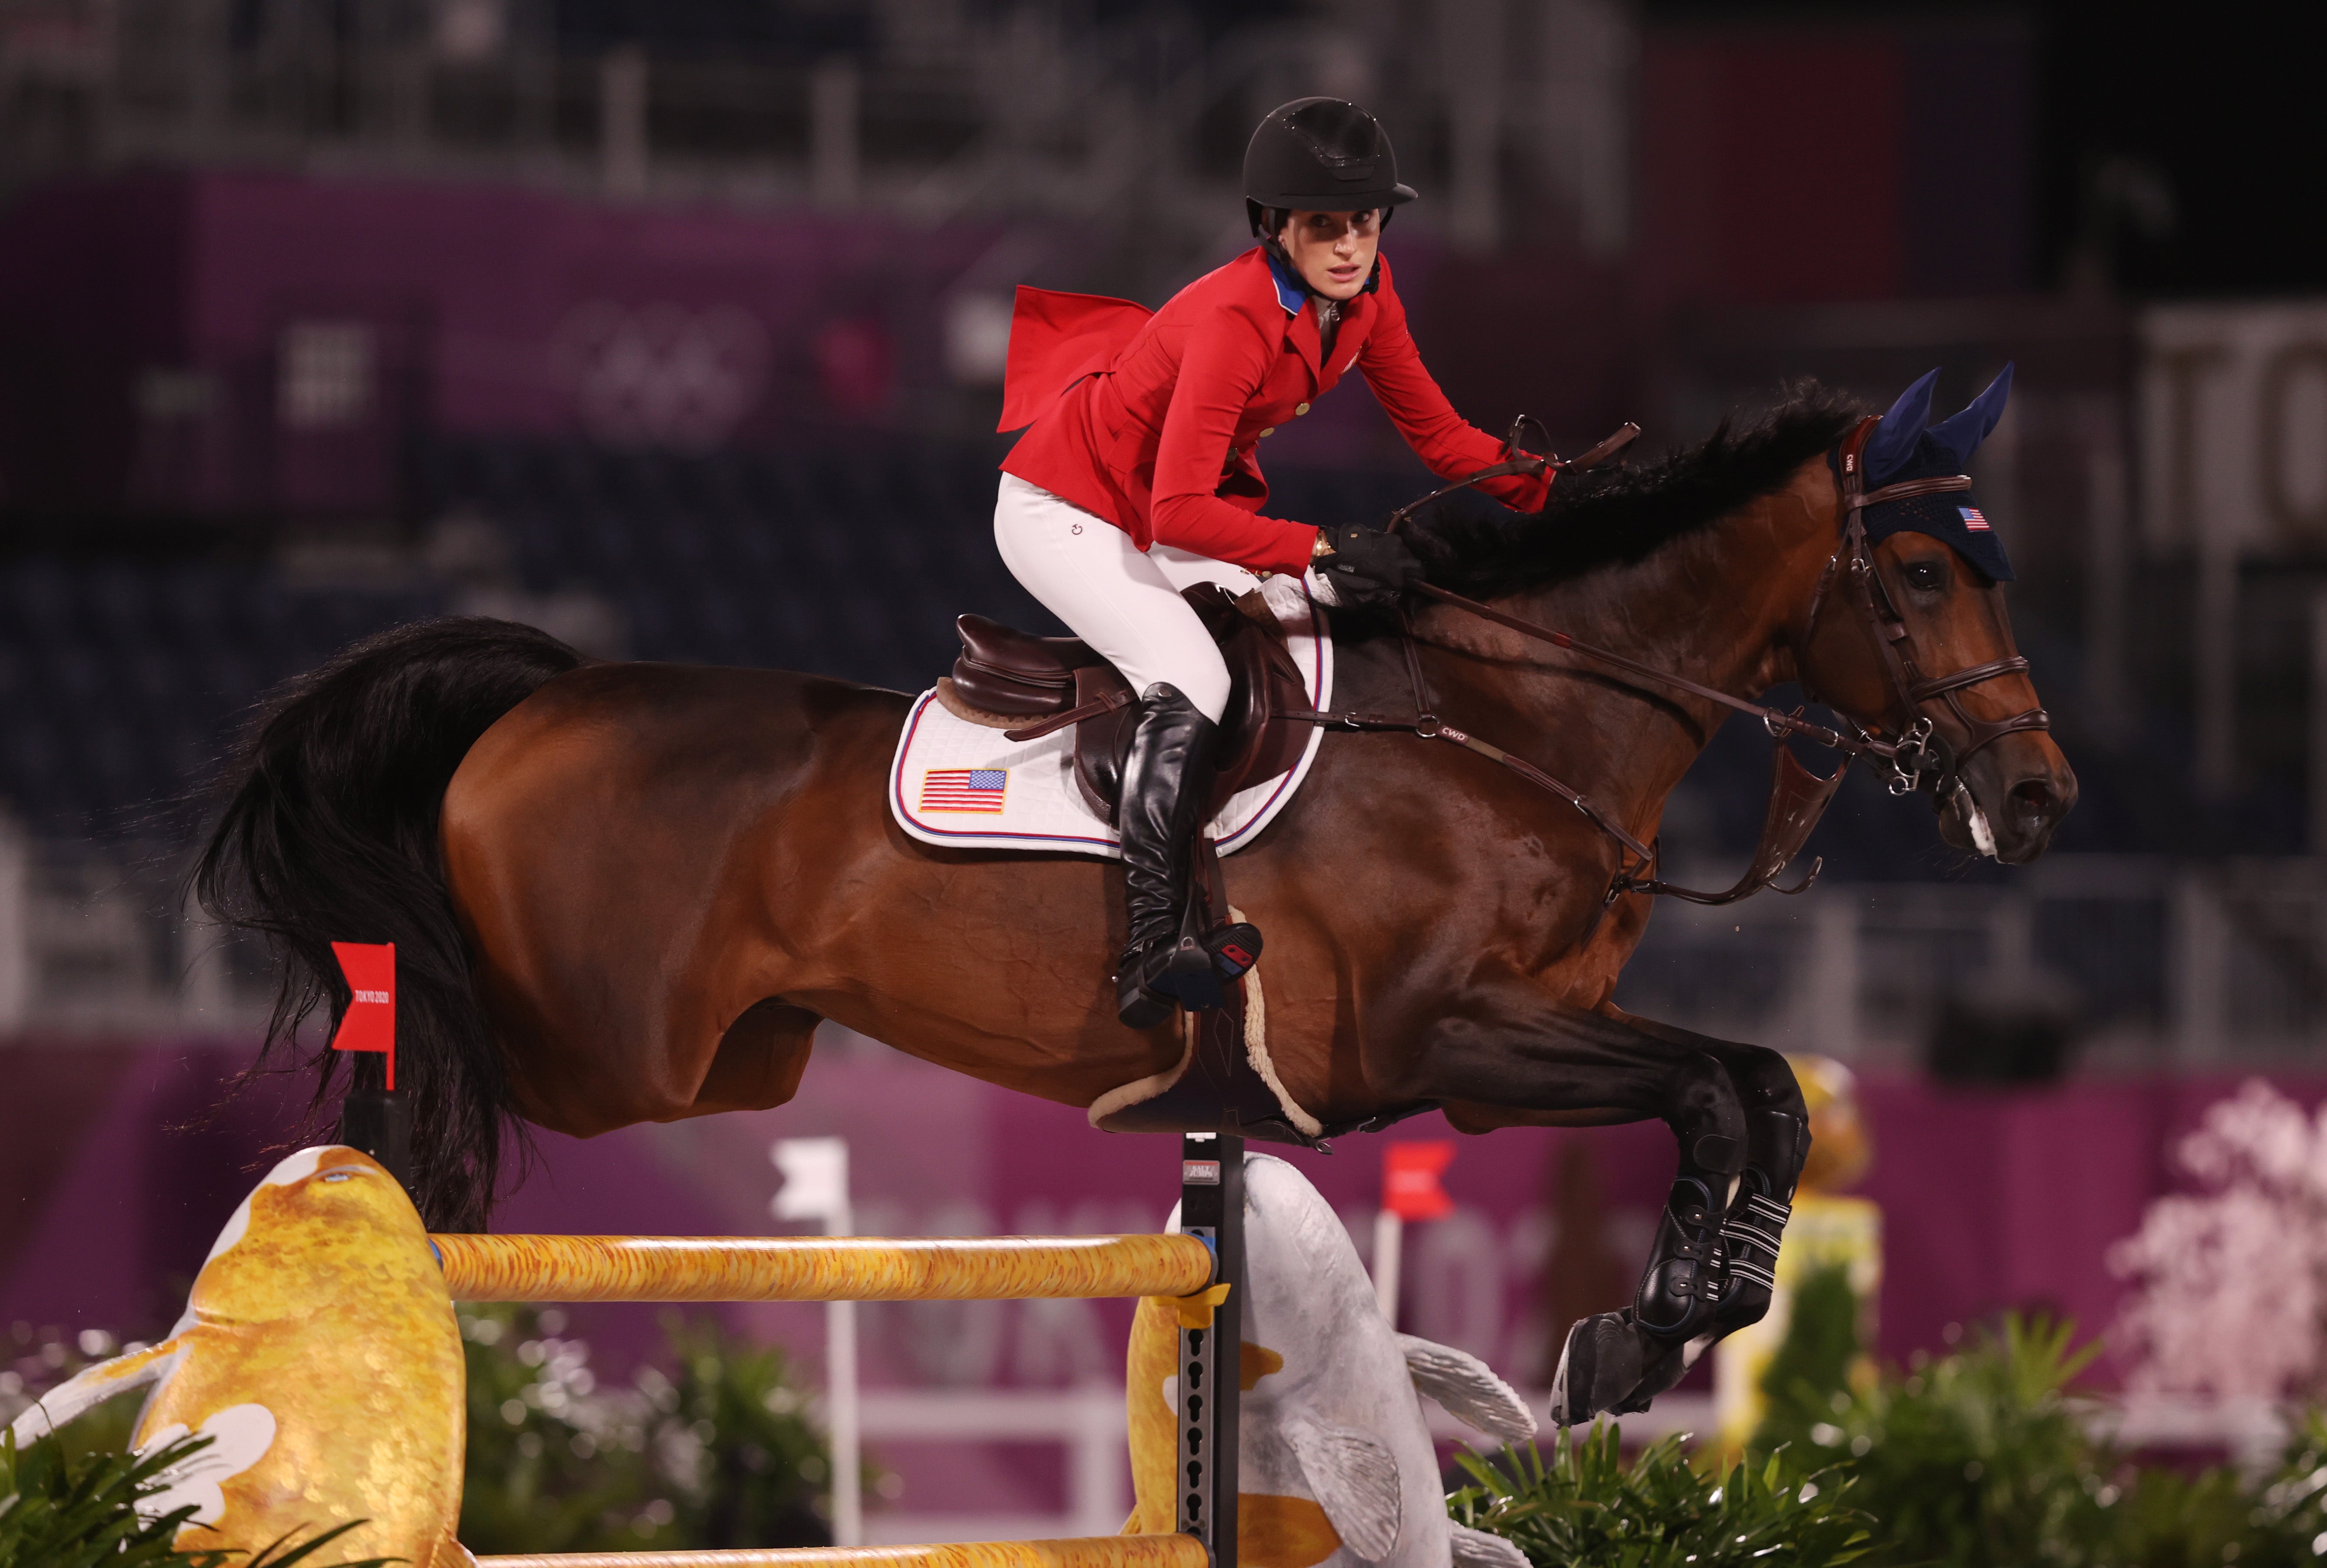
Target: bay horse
624, 892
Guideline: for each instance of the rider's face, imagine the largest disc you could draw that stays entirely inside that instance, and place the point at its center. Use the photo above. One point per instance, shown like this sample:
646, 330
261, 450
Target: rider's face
1333, 251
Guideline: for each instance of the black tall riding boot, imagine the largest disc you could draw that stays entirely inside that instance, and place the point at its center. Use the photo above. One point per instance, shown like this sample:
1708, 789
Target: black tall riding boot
1166, 778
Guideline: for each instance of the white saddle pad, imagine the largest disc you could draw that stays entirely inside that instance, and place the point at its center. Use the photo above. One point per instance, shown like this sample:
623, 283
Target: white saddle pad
965, 786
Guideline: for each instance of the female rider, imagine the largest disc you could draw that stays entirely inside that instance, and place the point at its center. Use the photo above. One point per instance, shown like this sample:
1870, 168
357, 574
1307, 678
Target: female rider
1142, 436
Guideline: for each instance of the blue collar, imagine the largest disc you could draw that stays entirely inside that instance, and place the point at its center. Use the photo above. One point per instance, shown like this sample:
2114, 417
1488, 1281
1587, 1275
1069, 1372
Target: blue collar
1290, 293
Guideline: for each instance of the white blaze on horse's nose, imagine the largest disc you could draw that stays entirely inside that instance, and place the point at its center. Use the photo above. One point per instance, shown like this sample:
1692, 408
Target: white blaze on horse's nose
1983, 837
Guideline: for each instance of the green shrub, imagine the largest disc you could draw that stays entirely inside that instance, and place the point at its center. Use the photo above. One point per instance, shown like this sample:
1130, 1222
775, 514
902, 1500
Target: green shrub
718, 1453
1987, 1458
759, 1468
1815, 1358
62, 1509
1980, 1458
1589, 1509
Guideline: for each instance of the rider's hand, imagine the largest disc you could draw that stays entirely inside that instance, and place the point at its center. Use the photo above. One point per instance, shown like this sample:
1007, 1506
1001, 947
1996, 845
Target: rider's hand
1365, 564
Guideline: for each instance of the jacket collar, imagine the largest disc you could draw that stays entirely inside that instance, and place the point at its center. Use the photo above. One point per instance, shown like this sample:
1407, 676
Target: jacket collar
1290, 292
1301, 322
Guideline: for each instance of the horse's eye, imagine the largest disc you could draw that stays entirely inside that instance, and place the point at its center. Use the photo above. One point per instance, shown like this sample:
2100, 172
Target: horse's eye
1926, 577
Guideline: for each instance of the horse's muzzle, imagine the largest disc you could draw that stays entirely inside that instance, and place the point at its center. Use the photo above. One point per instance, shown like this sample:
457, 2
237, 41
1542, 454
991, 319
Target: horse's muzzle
2013, 796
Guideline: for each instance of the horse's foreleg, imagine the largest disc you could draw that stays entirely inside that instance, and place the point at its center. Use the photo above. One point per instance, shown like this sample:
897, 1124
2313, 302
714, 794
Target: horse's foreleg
1526, 1052
1733, 1111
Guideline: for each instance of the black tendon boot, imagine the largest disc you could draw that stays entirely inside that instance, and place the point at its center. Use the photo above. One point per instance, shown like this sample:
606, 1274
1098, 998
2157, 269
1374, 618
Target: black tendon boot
1619, 1361
1777, 1142
1736, 1292
1167, 777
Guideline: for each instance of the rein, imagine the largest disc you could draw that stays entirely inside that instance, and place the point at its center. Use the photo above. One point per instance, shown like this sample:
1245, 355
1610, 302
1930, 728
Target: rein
1797, 798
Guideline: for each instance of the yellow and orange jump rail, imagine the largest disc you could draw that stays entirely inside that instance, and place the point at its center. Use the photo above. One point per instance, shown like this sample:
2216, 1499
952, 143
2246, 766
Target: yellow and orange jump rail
745, 1268
1093, 1552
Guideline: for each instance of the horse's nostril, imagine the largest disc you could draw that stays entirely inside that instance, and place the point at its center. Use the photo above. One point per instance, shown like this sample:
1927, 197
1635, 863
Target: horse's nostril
2033, 796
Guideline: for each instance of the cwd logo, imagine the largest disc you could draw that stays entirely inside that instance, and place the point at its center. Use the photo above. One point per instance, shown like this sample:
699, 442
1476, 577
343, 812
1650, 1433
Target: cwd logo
661, 375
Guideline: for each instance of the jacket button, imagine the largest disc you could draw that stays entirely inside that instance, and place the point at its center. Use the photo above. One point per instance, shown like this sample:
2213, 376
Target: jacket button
1302, 409
1270, 431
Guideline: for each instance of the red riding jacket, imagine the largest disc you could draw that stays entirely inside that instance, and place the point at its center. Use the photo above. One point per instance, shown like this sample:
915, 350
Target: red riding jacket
1153, 421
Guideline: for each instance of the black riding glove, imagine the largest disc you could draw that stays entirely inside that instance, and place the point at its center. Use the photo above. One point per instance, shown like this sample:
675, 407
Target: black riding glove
1366, 566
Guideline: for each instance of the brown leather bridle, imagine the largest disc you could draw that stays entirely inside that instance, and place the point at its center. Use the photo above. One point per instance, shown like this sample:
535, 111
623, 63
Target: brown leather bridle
1919, 756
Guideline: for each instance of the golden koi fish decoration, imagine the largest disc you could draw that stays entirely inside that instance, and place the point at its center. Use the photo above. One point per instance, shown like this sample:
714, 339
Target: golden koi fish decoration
320, 1351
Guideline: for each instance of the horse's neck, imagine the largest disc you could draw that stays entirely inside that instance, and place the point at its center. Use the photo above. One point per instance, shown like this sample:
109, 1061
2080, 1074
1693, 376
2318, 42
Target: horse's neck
1711, 607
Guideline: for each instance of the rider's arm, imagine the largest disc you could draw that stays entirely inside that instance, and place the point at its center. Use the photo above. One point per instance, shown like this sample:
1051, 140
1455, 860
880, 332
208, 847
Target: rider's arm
1221, 370
1452, 447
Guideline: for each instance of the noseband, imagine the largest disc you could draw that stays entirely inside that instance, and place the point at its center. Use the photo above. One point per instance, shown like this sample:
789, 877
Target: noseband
1918, 756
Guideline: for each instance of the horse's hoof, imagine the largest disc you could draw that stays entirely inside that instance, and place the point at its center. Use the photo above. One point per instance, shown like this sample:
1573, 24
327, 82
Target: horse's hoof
1599, 1369
1663, 1364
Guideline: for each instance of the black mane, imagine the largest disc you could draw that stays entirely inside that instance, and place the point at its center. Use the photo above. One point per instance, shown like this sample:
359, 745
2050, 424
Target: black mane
1620, 516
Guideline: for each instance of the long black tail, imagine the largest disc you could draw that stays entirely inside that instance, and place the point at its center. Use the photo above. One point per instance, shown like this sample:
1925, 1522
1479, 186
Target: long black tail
330, 835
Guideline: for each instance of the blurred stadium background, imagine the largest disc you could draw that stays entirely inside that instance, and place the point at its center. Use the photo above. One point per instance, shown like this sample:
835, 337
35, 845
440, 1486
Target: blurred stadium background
677, 329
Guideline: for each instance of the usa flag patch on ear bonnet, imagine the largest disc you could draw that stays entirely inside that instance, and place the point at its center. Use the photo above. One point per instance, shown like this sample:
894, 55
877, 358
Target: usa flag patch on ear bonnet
1900, 449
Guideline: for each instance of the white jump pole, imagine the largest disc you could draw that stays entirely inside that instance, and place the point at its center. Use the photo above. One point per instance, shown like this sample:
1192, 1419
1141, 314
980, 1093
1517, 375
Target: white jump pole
1410, 1191
816, 1187
1389, 1240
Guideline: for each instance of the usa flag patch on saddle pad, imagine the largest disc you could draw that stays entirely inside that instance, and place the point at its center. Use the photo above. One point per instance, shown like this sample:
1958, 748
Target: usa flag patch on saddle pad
980, 790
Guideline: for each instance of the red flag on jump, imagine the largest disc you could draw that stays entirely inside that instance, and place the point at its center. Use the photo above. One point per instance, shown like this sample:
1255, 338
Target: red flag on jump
370, 1022
1410, 1187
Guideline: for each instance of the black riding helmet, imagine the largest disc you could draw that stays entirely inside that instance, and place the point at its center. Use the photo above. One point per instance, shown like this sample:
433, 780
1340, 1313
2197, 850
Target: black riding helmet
1320, 154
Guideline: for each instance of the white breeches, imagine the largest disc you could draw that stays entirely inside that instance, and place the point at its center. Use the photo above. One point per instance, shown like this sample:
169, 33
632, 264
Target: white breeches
1125, 604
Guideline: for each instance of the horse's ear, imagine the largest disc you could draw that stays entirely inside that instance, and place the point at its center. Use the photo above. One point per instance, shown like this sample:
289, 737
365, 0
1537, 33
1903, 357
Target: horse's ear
1893, 441
1962, 434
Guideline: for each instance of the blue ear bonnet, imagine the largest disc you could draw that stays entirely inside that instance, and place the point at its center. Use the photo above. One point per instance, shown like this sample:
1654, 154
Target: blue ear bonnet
1901, 449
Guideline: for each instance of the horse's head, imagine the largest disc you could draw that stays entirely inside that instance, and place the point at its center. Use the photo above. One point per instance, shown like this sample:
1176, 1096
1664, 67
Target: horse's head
1906, 633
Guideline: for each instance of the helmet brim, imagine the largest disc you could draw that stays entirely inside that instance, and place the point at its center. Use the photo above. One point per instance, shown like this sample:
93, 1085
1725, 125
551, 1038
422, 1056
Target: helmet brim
1335, 201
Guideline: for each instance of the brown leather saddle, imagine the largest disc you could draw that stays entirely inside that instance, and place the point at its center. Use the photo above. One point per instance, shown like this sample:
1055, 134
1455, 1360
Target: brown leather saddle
1045, 684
